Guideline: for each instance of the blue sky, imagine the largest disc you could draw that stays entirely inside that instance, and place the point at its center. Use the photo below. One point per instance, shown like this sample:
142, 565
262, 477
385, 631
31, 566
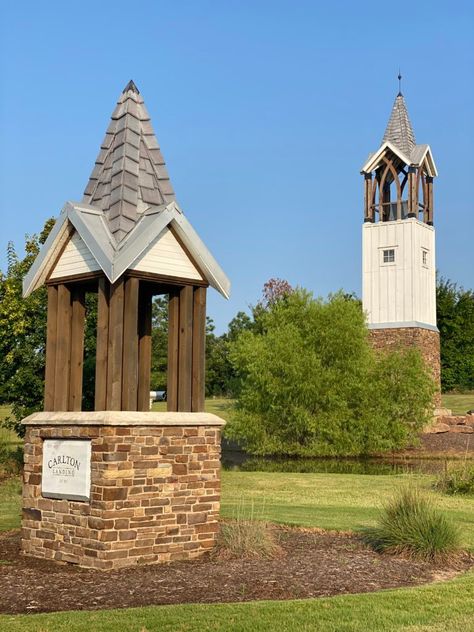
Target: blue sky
265, 111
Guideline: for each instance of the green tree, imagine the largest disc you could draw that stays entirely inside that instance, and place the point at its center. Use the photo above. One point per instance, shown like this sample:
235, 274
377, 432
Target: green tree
311, 384
159, 343
22, 334
455, 314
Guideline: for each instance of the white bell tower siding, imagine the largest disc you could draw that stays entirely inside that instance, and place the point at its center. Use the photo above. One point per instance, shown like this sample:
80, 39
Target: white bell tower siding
399, 274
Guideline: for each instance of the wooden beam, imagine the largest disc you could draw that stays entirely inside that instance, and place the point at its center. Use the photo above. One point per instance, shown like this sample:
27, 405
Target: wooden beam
63, 349
164, 279
85, 276
199, 349
413, 180
103, 292
130, 345
144, 346
78, 297
368, 212
51, 331
185, 348
115, 346
173, 350
429, 183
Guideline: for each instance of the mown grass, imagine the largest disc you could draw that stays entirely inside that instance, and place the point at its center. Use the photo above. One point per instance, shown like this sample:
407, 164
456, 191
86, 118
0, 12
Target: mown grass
342, 502
10, 504
459, 403
220, 406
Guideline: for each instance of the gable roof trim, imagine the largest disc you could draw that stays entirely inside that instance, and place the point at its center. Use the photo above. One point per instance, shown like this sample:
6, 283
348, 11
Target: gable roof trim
114, 259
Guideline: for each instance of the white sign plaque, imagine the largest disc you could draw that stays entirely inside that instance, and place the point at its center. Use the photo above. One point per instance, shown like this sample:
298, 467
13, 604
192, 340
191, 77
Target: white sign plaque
66, 469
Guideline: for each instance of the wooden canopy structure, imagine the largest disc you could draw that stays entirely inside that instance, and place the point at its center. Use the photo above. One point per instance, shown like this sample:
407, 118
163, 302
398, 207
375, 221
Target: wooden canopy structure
128, 240
398, 178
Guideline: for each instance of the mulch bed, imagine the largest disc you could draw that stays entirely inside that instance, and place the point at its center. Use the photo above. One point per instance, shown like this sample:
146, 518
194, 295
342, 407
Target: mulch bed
312, 564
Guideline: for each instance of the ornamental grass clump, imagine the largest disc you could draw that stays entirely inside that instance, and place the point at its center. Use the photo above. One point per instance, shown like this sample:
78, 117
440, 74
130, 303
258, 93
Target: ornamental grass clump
247, 535
246, 539
411, 525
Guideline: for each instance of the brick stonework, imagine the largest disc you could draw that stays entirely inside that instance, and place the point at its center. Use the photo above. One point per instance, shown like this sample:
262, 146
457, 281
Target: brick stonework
425, 340
155, 496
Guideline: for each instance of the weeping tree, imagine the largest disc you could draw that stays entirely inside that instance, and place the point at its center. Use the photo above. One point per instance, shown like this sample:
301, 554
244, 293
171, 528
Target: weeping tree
310, 384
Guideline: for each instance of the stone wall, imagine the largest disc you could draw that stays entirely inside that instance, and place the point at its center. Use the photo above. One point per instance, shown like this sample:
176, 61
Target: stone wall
426, 340
155, 495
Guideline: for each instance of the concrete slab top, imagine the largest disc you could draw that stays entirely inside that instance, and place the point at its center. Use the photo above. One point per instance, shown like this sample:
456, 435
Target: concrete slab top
122, 418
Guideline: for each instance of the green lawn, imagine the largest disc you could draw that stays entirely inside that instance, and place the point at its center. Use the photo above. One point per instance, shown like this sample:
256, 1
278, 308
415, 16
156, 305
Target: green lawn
459, 403
219, 406
326, 500
331, 501
10, 504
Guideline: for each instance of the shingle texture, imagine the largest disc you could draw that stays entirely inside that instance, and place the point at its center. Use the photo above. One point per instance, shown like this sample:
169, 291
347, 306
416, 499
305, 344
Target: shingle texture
130, 174
399, 130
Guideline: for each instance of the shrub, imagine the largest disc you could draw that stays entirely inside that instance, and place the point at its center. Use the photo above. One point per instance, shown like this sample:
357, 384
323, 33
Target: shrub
457, 478
311, 385
411, 525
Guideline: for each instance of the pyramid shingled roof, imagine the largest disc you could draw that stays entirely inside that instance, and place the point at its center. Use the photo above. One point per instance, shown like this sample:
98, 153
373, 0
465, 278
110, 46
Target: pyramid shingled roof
399, 130
130, 174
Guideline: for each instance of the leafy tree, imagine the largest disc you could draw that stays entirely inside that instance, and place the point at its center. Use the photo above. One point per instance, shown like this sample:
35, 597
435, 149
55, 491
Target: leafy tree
455, 313
159, 343
311, 384
90, 345
275, 290
22, 334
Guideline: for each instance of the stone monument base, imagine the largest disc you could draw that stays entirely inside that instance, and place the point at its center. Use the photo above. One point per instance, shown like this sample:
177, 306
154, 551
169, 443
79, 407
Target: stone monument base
154, 487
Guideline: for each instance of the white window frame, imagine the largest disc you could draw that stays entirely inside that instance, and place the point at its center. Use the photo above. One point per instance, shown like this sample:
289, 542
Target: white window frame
424, 257
387, 249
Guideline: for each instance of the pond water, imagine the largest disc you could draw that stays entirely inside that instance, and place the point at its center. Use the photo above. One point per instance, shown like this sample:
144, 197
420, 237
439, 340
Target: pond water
239, 461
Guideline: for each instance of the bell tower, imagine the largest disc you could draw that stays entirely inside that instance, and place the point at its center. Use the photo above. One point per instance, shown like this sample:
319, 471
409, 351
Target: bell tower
398, 242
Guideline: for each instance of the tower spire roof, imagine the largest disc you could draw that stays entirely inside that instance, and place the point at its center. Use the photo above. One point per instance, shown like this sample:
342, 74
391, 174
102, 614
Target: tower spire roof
130, 174
399, 130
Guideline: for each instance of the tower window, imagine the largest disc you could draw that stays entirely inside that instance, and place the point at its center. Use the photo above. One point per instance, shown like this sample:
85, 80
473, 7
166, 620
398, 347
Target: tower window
424, 257
389, 255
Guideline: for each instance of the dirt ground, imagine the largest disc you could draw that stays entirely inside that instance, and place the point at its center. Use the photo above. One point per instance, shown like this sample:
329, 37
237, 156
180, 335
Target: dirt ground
444, 444
312, 564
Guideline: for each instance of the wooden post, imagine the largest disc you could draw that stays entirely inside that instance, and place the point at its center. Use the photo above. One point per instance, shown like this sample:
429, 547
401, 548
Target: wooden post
130, 345
368, 212
173, 350
103, 291
77, 347
63, 349
430, 201
185, 352
144, 346
412, 192
51, 331
199, 349
115, 346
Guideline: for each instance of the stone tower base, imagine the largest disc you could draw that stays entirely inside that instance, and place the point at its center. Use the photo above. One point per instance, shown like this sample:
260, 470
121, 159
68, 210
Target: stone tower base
426, 340
152, 495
